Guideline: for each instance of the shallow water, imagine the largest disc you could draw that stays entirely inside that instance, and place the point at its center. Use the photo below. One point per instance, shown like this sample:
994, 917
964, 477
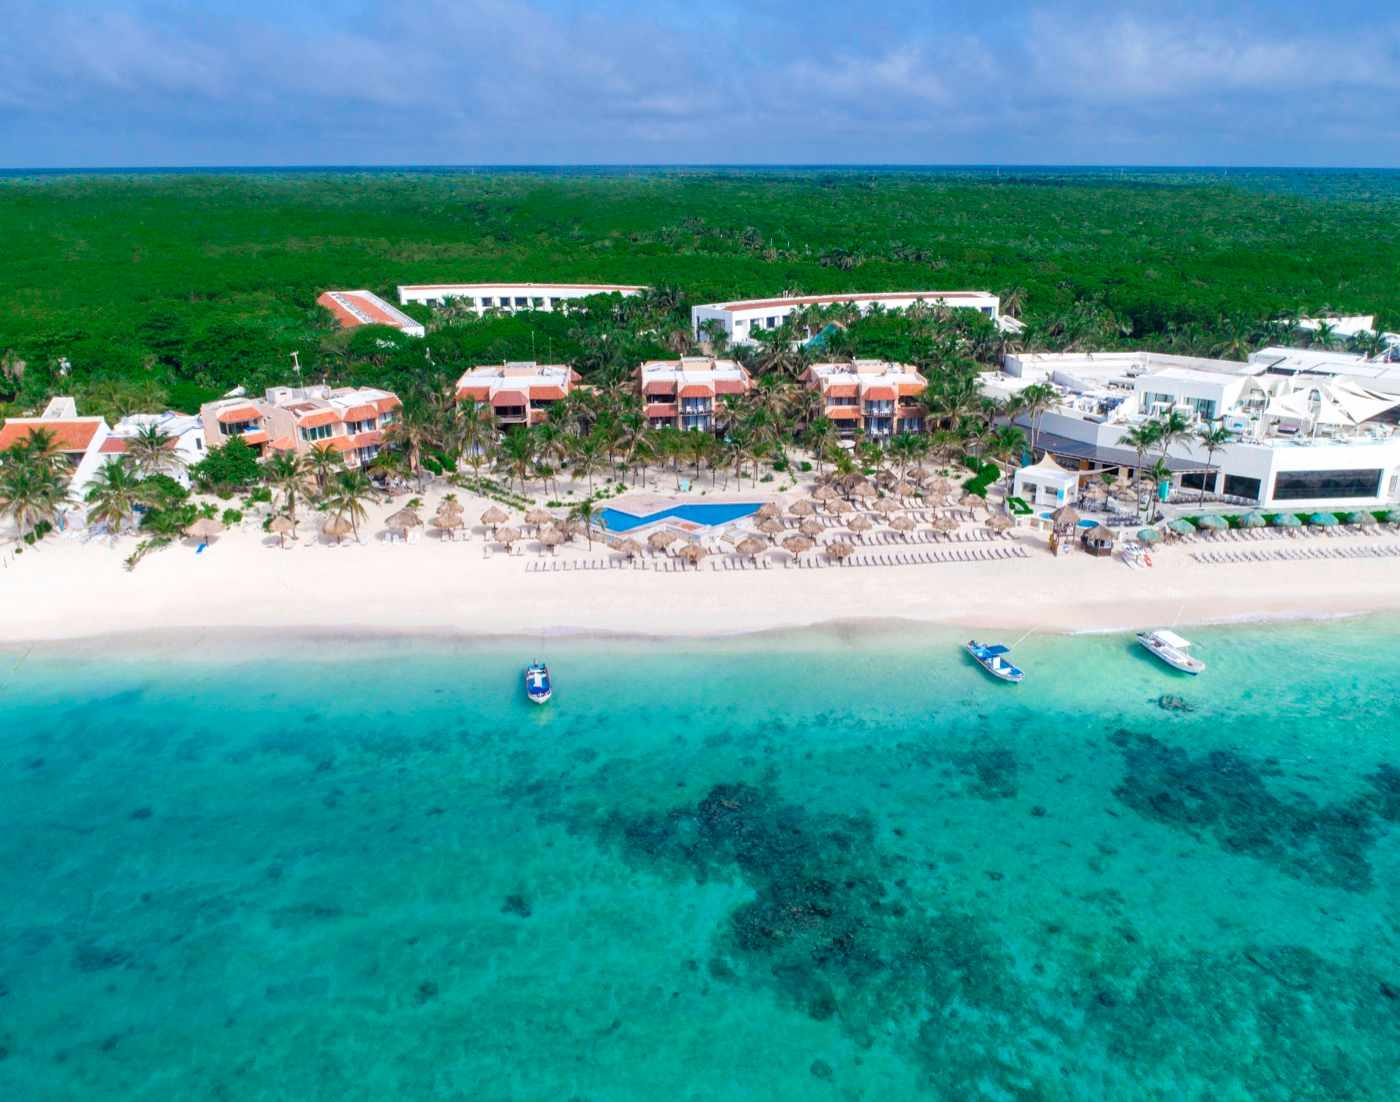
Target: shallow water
837, 864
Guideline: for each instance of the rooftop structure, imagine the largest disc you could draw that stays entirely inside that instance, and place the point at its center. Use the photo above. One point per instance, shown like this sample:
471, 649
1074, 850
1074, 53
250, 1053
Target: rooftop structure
742, 318
683, 393
519, 393
354, 308
78, 439
351, 420
510, 297
870, 398
1296, 440
186, 434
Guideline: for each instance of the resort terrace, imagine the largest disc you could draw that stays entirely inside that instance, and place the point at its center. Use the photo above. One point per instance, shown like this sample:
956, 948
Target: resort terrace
519, 393
683, 393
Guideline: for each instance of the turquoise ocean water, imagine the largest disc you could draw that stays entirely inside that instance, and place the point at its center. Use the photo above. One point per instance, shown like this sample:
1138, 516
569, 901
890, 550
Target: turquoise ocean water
839, 864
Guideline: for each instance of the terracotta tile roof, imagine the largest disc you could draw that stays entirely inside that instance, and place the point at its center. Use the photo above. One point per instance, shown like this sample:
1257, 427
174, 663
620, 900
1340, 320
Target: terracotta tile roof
480, 393
253, 439
879, 394
697, 390
731, 386
508, 398
352, 308
365, 439
661, 409
239, 413
361, 413
283, 444
662, 387
113, 445
318, 418
390, 402
70, 435
841, 390
912, 390
546, 393
843, 413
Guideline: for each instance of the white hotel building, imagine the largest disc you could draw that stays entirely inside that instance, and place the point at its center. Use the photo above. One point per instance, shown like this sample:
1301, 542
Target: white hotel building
742, 318
1300, 442
510, 297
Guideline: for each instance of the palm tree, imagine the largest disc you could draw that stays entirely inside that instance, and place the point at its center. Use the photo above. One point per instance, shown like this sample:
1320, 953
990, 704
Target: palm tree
41, 448
1212, 439
587, 456
474, 431
585, 512
820, 437
1160, 472
1142, 439
1035, 400
413, 430
698, 446
323, 462
152, 451
114, 493
517, 452
346, 498
1005, 442
290, 475
1171, 430
31, 491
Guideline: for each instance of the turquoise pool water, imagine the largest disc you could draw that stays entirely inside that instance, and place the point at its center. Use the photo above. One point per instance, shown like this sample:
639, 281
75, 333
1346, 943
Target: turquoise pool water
839, 864
615, 520
1081, 524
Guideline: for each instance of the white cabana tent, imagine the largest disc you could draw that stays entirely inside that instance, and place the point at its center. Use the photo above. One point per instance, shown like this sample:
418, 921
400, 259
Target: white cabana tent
1046, 484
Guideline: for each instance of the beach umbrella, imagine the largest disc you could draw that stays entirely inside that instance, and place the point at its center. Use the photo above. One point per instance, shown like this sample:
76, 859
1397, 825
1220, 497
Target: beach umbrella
885, 506
860, 524
944, 524
551, 538
404, 519
768, 511
538, 517
751, 547
450, 505
1286, 520
494, 516
837, 506
940, 486
1149, 535
1182, 527
1000, 522
1253, 519
839, 550
798, 545
205, 528
972, 501
902, 524
863, 488
824, 493
771, 526
337, 528
1213, 522
918, 474
507, 535
659, 541
904, 489
692, 553
1066, 516
282, 526
803, 508
1363, 517
628, 549
1323, 520
811, 527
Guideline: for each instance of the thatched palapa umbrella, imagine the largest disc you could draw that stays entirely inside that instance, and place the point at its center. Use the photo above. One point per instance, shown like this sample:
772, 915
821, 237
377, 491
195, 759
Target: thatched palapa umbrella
628, 549
403, 520
939, 487
839, 550
507, 535
811, 527
860, 524
902, 524
837, 506
1000, 522
752, 547
972, 501
824, 493
904, 489
282, 525
448, 519
944, 524
538, 518
551, 538
803, 508
659, 541
797, 545
771, 526
494, 517
768, 511
885, 506
337, 528
692, 553
205, 529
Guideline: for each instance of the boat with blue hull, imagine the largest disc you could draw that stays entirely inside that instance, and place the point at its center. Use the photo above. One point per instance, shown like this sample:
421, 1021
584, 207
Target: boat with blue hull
537, 684
992, 658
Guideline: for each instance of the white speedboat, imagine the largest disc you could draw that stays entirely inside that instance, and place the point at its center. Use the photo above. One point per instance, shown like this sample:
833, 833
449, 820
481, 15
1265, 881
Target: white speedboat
1172, 649
537, 686
992, 658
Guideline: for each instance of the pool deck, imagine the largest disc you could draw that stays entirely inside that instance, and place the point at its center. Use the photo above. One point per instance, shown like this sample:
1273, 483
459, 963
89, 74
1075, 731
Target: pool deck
644, 504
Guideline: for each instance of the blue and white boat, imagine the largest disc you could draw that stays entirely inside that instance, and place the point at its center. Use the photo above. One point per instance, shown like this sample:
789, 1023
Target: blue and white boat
537, 686
991, 657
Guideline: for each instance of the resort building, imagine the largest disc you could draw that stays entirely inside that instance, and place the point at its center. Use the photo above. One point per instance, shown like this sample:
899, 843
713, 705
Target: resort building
743, 318
186, 434
79, 440
683, 393
354, 308
519, 393
352, 420
510, 297
1296, 440
870, 398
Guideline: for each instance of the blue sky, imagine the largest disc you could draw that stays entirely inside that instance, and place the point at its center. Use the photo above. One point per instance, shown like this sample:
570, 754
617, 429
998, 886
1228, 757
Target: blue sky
129, 82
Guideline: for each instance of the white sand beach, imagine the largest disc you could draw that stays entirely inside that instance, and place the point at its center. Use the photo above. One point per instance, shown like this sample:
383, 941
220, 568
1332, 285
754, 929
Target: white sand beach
69, 589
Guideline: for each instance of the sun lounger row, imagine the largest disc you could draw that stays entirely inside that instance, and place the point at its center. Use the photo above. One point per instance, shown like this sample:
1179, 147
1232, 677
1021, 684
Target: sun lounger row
1298, 554
913, 558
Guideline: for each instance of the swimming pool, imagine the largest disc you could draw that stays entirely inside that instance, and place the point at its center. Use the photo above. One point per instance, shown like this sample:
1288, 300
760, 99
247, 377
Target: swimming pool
1082, 523
615, 520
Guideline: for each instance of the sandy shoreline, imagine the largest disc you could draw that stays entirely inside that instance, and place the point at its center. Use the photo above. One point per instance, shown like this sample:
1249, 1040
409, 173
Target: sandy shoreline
67, 590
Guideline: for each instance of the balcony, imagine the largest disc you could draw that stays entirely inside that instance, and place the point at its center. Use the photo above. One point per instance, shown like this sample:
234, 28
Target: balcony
510, 415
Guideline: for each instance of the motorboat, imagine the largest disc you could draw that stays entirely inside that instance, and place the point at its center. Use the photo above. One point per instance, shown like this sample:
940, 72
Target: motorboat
992, 658
1172, 649
537, 685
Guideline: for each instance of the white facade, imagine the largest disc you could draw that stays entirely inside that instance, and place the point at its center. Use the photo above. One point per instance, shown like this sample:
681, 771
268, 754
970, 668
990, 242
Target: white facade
187, 431
1046, 484
1298, 442
511, 297
742, 318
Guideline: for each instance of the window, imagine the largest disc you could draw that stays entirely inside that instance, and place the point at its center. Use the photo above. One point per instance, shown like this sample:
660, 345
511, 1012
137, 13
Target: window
1237, 485
355, 427
487, 302
319, 432
1203, 406
1298, 485
522, 301
1198, 480
237, 428
537, 302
